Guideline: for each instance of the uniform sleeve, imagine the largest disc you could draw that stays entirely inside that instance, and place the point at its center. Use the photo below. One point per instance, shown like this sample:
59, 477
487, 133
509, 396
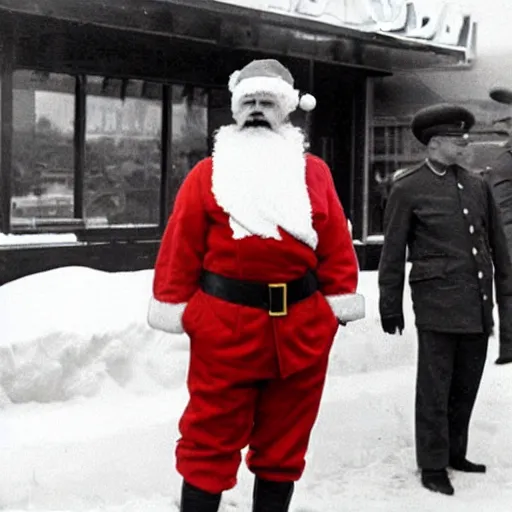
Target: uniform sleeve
391, 272
180, 258
338, 268
499, 178
502, 273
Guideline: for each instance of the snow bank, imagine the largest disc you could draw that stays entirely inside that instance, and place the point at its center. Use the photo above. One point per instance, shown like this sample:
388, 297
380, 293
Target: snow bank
74, 331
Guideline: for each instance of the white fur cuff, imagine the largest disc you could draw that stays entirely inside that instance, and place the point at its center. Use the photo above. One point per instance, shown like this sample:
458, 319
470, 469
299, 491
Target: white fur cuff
347, 307
288, 96
165, 316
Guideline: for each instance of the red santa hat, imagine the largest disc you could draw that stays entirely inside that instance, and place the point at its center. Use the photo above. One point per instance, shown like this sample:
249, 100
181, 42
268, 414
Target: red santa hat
268, 76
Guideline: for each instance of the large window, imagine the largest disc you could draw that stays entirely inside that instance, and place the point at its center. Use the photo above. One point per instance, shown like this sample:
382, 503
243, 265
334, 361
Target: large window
189, 132
42, 154
122, 152
88, 150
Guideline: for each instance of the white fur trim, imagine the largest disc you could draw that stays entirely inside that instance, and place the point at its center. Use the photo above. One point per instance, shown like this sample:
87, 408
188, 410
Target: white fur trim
287, 96
165, 316
347, 307
259, 180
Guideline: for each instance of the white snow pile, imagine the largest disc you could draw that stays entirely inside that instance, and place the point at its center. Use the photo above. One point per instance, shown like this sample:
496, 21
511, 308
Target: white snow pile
90, 399
74, 331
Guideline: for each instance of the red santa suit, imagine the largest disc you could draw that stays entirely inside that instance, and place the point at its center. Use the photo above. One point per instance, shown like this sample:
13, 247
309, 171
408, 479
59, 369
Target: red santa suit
259, 210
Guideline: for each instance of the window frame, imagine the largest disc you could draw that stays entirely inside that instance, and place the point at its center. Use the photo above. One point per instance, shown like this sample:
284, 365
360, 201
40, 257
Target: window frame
6, 127
77, 225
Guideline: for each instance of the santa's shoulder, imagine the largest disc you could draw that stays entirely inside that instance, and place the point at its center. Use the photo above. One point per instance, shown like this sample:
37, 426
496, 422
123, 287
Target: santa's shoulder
202, 170
316, 163
203, 165
317, 168
198, 178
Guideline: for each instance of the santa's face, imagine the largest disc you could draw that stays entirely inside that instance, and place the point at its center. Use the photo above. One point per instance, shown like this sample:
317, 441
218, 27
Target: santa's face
259, 110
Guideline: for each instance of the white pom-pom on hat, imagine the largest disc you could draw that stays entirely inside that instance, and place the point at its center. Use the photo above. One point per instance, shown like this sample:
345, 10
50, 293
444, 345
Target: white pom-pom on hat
307, 102
233, 80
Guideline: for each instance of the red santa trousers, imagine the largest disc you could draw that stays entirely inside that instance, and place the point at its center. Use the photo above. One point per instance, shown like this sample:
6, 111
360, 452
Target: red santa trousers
244, 401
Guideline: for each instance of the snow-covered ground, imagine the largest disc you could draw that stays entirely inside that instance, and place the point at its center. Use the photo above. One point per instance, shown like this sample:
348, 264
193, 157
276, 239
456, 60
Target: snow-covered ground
90, 398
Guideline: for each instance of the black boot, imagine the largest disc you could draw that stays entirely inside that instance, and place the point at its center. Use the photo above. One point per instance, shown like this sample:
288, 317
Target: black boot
467, 466
436, 480
196, 500
271, 496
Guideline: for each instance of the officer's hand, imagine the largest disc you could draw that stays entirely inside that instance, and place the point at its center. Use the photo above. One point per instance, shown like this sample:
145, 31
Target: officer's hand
390, 324
503, 360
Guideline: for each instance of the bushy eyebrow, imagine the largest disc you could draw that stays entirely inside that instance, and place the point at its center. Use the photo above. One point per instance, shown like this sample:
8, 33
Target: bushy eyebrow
263, 102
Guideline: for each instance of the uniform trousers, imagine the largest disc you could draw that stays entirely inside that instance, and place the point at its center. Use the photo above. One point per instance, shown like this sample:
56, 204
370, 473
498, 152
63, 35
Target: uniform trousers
450, 367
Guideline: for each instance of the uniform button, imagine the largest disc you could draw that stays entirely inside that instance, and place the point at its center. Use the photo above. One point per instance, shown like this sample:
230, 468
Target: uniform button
460, 186
484, 297
480, 275
465, 211
471, 229
474, 250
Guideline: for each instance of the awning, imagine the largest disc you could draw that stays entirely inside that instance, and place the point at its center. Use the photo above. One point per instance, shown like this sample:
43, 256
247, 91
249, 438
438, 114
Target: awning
242, 28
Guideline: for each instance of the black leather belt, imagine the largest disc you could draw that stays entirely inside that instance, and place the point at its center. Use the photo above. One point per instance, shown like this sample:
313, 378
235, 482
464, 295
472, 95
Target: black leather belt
273, 297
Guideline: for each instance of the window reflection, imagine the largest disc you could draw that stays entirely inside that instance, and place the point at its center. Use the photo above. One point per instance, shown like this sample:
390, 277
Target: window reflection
189, 132
43, 155
394, 147
123, 152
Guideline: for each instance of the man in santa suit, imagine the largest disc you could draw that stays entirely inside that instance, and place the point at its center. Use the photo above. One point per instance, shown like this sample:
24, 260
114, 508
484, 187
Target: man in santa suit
257, 266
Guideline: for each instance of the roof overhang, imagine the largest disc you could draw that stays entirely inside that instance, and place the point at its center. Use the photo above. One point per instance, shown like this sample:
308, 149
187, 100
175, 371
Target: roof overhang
243, 28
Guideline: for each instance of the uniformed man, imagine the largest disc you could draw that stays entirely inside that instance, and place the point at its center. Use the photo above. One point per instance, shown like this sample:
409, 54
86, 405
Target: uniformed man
499, 172
446, 217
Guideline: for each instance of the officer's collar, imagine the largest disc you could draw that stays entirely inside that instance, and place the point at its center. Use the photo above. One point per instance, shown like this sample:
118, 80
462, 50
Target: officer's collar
436, 167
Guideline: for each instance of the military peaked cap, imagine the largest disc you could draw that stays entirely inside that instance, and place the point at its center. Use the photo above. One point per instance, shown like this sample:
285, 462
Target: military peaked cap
441, 120
501, 95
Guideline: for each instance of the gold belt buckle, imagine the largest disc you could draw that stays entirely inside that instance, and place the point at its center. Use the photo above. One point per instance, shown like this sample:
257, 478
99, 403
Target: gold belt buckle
284, 288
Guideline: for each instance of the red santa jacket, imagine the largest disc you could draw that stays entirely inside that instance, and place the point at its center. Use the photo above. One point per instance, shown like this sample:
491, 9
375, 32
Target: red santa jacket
198, 236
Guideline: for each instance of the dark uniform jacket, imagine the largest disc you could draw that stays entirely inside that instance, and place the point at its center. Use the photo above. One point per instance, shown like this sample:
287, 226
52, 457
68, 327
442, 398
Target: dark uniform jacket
452, 229
499, 177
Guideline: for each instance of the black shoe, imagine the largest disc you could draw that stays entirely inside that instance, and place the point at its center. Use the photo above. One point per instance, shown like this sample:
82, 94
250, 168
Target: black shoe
194, 499
467, 466
271, 496
437, 480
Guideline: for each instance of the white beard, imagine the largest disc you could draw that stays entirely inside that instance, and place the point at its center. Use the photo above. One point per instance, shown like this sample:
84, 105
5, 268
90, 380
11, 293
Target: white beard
259, 180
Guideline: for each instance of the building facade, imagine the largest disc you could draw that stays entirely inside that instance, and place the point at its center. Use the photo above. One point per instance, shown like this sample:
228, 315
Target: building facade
396, 98
105, 107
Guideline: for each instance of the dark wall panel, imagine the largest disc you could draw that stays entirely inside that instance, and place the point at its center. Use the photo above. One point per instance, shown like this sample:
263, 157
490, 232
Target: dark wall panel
112, 257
